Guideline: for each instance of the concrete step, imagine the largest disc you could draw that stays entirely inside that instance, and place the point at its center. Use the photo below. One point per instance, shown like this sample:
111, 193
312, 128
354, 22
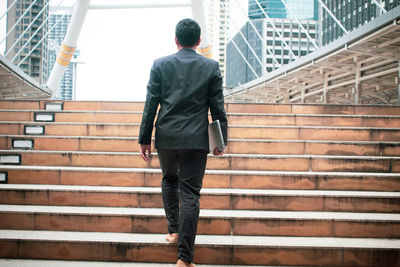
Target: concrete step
313, 147
316, 163
238, 179
71, 105
235, 146
312, 109
20, 104
218, 198
70, 129
230, 107
234, 132
52, 263
314, 133
214, 222
73, 143
72, 116
230, 250
390, 121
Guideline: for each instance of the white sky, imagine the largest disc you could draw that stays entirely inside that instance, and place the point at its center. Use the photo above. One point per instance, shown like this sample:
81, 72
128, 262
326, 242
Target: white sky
118, 47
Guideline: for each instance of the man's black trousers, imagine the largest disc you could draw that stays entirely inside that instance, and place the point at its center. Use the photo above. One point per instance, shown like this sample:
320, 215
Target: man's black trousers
183, 172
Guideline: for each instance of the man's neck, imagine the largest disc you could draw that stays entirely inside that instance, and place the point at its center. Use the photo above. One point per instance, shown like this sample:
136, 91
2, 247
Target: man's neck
187, 47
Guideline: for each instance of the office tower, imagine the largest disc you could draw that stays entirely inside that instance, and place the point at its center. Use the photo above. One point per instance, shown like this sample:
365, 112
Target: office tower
218, 28
276, 9
273, 8
59, 25
274, 41
26, 43
223, 34
351, 14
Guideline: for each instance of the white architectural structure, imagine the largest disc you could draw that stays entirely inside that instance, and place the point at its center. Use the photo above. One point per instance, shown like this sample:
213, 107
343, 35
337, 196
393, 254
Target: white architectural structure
218, 29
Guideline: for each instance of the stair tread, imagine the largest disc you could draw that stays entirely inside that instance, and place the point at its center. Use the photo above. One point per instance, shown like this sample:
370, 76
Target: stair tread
215, 240
27, 136
51, 263
227, 172
246, 214
226, 155
204, 191
41, 111
229, 126
68, 263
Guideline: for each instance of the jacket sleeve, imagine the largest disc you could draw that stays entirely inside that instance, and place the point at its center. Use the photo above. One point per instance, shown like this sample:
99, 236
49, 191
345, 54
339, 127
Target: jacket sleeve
150, 107
216, 102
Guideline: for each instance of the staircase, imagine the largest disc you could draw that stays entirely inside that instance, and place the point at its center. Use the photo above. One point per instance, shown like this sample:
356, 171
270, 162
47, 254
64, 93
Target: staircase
303, 185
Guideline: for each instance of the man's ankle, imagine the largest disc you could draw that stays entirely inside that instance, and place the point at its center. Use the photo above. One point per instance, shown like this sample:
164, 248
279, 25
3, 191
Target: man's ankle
182, 263
172, 237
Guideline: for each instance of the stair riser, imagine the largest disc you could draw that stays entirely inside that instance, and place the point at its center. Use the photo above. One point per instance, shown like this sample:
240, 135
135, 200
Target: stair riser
101, 117
298, 120
218, 163
234, 147
73, 105
312, 109
313, 121
16, 116
230, 107
75, 144
21, 105
75, 129
274, 133
110, 251
139, 179
102, 106
223, 202
321, 182
309, 148
314, 134
213, 226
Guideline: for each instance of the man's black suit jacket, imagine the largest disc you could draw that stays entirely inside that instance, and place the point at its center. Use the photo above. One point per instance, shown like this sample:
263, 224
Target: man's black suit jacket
185, 85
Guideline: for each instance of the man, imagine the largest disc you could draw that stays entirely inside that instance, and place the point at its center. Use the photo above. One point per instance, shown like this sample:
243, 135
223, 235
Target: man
185, 85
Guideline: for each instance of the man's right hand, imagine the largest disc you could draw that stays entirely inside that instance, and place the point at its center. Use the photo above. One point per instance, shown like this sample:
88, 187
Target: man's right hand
145, 152
216, 152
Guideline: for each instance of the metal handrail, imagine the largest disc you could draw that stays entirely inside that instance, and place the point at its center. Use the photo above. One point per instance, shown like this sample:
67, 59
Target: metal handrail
33, 35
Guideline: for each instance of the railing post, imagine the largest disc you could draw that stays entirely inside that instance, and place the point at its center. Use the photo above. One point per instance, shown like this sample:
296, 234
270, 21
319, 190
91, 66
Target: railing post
357, 85
325, 92
398, 87
69, 46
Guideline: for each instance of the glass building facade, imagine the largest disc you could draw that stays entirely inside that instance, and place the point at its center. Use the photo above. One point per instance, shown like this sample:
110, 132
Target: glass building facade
264, 45
276, 9
351, 14
273, 8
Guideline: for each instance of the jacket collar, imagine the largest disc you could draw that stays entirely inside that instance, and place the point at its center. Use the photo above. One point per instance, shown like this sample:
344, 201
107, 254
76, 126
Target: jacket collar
186, 50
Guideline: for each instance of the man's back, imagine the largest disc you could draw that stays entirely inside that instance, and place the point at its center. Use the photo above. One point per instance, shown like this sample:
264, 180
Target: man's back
184, 84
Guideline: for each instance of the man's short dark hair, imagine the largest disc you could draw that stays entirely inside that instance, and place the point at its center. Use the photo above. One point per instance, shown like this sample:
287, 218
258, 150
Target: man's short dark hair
187, 32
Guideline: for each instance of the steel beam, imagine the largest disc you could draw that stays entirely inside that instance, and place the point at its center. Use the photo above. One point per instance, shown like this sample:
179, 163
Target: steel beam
69, 45
145, 5
200, 16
